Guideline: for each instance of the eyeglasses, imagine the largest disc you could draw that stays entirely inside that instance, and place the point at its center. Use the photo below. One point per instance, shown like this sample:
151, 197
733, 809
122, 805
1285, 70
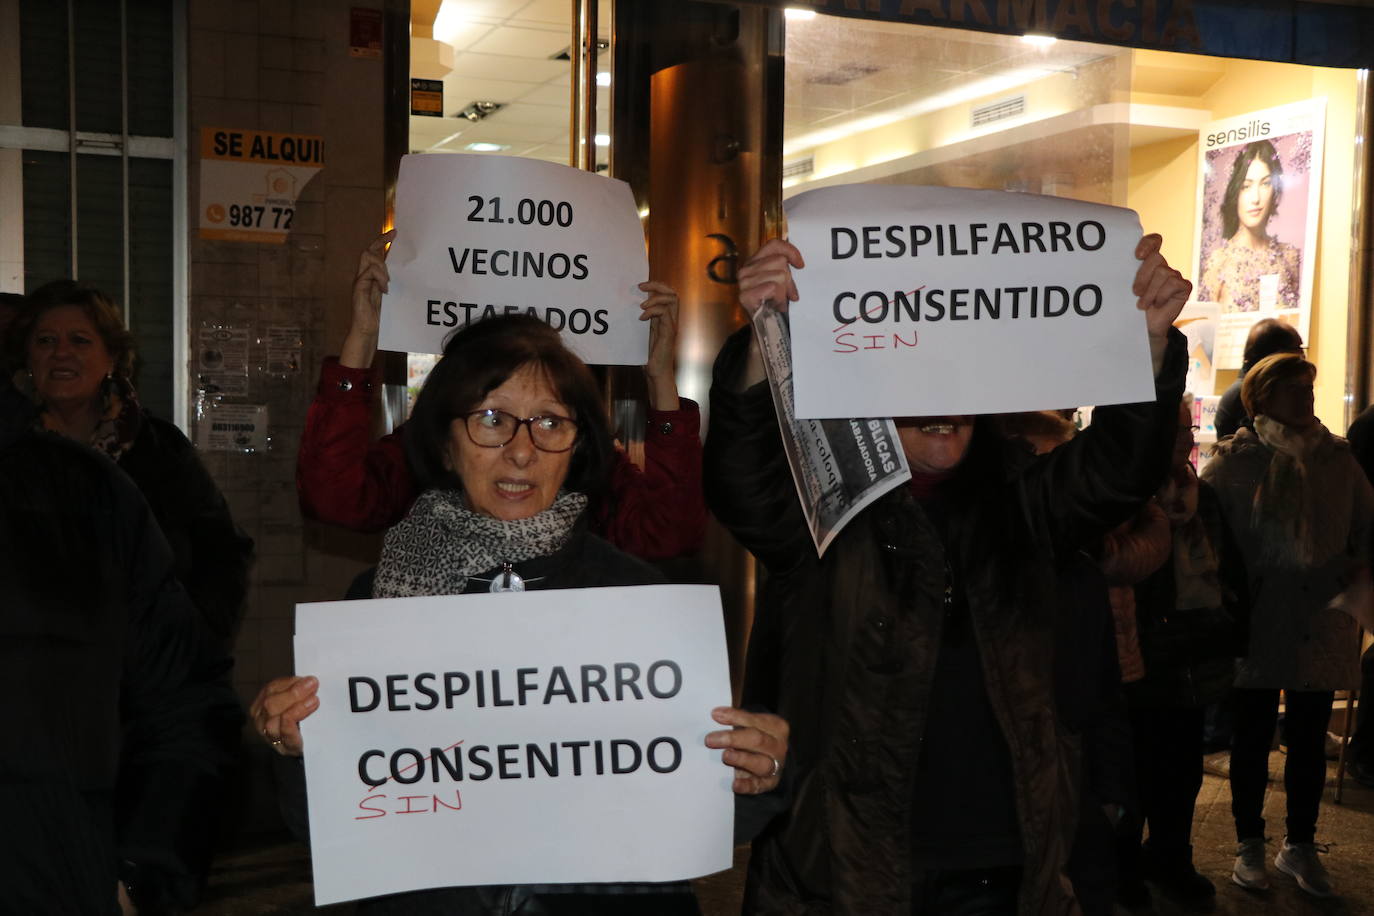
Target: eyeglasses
496, 428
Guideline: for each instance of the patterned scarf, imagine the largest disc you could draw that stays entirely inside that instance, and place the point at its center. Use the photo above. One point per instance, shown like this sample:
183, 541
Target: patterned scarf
1281, 511
120, 417
441, 543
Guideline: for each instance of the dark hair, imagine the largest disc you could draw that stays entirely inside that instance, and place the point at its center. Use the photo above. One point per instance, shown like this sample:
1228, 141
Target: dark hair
1258, 149
99, 308
1267, 373
1268, 336
480, 358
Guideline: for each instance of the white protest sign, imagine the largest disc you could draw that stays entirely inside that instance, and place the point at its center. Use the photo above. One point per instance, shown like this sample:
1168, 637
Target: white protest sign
478, 236
921, 301
538, 737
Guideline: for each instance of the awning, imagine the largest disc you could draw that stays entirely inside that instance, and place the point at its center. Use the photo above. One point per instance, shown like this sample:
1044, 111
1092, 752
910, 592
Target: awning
1325, 33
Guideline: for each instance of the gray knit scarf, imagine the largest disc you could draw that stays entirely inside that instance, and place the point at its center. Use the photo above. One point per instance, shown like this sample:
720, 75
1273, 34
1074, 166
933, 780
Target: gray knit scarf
441, 543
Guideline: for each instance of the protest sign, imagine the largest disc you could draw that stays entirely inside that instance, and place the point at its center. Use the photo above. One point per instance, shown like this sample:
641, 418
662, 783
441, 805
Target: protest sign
478, 236
540, 737
921, 301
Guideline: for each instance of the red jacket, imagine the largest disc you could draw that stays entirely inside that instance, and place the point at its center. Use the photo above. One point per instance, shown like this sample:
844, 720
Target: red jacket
345, 478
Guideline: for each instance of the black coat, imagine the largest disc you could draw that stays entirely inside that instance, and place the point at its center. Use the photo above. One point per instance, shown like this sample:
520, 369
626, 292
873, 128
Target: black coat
116, 700
847, 643
1190, 653
213, 555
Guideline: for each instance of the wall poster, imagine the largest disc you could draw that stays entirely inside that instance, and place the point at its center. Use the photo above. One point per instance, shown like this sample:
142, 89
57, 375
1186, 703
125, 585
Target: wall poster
1258, 202
250, 181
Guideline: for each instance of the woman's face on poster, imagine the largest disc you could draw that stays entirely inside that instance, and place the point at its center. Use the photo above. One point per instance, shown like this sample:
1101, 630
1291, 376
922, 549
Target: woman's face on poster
1256, 196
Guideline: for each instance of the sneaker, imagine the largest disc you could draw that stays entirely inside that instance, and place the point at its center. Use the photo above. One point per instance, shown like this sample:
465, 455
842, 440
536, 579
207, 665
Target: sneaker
1248, 871
1300, 861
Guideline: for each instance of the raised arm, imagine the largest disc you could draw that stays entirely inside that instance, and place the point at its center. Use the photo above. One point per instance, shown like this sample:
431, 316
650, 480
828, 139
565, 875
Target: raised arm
343, 477
749, 485
658, 513
1085, 488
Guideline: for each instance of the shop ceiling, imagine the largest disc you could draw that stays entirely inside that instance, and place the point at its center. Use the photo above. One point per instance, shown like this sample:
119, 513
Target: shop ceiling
508, 51
502, 51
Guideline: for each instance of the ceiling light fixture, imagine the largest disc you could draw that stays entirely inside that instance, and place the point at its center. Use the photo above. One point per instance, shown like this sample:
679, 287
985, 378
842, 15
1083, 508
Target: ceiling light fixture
449, 21
603, 78
486, 147
603, 139
1038, 40
799, 14
476, 111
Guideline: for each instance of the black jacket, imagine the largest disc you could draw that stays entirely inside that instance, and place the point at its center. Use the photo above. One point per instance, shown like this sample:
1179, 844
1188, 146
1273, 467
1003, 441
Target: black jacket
1190, 653
116, 700
846, 644
213, 555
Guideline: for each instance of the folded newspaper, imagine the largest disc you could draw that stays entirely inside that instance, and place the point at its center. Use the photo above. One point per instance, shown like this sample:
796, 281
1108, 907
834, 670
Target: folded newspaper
839, 466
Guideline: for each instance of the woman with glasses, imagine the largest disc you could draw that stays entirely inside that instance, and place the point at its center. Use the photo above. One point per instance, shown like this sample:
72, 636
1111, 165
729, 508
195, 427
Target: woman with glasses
510, 445
345, 478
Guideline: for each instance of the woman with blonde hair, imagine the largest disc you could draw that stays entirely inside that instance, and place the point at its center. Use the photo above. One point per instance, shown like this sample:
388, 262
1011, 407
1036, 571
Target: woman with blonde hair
1300, 509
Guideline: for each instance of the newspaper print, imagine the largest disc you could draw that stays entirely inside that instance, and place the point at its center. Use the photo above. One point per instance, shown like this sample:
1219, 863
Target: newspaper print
839, 466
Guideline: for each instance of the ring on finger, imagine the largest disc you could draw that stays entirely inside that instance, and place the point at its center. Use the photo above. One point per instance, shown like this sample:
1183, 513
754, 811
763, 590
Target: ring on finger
777, 766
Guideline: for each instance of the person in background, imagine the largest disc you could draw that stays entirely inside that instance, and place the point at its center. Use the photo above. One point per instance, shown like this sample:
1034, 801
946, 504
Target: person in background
345, 478
510, 443
1359, 758
1301, 511
115, 697
915, 660
1189, 611
1266, 337
80, 359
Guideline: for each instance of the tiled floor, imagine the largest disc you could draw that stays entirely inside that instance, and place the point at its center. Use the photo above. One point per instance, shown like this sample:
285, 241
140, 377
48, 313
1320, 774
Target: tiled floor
275, 879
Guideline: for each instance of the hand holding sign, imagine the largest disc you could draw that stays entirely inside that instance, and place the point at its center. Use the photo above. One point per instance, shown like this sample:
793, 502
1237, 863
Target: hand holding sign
278, 709
368, 286
756, 747
767, 276
766, 279
660, 309
1163, 291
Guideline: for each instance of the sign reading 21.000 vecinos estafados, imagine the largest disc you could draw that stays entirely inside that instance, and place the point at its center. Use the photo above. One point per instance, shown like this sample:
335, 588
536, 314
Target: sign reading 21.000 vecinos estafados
478, 236
250, 180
